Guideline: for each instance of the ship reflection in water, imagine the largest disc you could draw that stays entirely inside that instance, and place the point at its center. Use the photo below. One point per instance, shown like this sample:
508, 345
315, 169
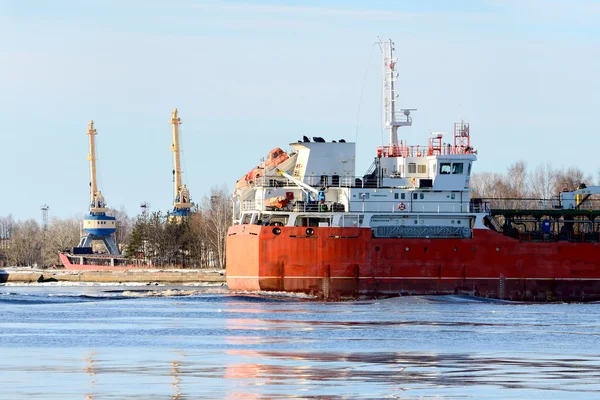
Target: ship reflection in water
94, 344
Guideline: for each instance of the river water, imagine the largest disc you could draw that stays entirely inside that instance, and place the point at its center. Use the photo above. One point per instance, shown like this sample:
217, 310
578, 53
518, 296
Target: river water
98, 342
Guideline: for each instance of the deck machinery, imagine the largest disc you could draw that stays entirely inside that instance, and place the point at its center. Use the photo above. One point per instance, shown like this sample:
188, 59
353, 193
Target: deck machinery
570, 216
97, 225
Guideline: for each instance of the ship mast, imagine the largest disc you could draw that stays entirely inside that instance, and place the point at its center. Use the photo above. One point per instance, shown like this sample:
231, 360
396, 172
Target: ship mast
181, 204
96, 198
392, 119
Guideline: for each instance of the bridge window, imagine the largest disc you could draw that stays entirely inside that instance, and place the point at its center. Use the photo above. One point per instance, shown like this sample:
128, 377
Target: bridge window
402, 196
246, 218
457, 168
444, 168
395, 196
412, 168
421, 196
422, 168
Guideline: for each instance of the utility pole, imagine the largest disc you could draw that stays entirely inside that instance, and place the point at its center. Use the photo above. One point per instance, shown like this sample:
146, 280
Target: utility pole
45, 209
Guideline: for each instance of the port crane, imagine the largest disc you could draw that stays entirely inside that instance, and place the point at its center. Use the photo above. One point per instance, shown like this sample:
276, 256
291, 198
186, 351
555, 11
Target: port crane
97, 225
182, 200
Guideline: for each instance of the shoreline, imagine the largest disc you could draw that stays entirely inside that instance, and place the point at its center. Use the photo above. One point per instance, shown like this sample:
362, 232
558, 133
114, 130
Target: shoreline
171, 276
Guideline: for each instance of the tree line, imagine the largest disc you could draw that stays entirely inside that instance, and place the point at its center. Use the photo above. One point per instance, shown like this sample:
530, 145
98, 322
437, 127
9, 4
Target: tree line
520, 187
156, 238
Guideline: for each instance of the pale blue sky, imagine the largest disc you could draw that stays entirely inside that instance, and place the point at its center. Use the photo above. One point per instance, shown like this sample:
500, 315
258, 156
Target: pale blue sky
251, 76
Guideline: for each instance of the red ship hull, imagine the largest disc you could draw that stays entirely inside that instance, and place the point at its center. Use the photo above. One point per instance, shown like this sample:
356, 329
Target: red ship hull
335, 262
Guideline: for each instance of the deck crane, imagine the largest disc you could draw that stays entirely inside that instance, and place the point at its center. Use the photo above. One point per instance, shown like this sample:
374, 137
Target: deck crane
574, 199
182, 201
317, 195
97, 225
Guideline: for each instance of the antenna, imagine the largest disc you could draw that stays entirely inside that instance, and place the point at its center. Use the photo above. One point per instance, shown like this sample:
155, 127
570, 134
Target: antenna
392, 117
45, 209
145, 206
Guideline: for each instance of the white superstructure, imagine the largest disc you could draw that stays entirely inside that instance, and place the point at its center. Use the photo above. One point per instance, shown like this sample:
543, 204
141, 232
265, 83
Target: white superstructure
409, 191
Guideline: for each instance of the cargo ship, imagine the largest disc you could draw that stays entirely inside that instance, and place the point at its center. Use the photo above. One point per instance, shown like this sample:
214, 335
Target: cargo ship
304, 222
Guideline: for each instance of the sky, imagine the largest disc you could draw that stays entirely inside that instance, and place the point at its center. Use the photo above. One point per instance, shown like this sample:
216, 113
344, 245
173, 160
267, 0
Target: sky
251, 76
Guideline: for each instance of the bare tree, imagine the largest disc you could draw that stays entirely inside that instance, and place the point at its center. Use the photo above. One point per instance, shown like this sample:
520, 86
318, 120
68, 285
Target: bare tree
517, 179
25, 244
570, 179
541, 182
7, 226
198, 248
124, 226
216, 217
62, 235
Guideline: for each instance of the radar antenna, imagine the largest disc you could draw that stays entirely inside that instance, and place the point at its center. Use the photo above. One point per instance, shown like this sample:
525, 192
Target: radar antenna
392, 117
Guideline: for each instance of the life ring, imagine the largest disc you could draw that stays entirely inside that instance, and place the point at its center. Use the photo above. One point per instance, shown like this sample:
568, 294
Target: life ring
401, 206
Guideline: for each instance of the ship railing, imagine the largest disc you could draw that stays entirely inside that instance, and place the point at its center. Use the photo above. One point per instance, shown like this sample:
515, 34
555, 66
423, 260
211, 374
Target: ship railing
316, 181
423, 151
325, 206
320, 182
479, 206
296, 206
408, 206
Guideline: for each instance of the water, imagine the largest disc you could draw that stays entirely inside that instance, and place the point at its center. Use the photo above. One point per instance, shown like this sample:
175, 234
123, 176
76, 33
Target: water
192, 343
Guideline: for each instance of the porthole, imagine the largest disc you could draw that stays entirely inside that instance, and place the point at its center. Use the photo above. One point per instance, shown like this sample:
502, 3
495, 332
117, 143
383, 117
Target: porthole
376, 248
497, 248
310, 231
408, 248
276, 231
455, 249
458, 222
425, 249
416, 222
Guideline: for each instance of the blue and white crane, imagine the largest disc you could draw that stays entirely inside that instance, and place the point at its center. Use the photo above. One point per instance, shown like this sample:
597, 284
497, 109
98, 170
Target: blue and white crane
97, 225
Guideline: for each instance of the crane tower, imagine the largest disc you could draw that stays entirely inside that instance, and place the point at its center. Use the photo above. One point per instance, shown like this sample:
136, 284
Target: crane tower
97, 225
182, 201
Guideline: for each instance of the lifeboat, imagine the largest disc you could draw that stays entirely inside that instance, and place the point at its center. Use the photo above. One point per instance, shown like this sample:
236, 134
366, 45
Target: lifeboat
276, 202
276, 157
